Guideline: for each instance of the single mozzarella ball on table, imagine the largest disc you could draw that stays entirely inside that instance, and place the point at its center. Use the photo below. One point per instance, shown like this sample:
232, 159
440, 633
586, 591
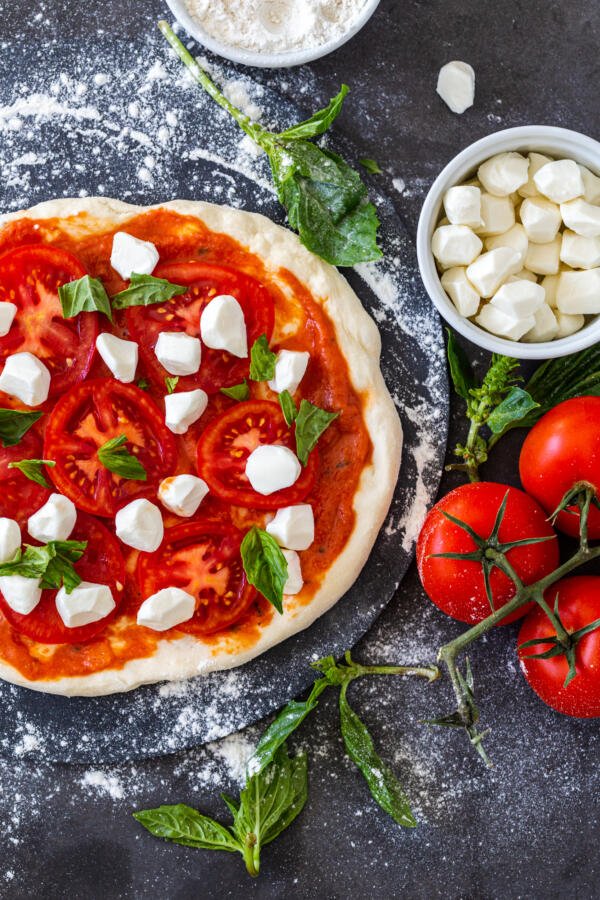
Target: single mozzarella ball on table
523, 275
515, 238
591, 185
167, 608
580, 252
86, 603
25, 377
54, 521
456, 85
294, 582
21, 594
560, 180
568, 324
503, 174
541, 219
140, 525
463, 205
461, 291
8, 312
293, 527
120, 356
130, 254
182, 494
581, 217
223, 327
493, 319
178, 352
184, 408
497, 215
544, 259
271, 468
491, 269
579, 292
519, 298
455, 245
10, 539
545, 327
290, 368
536, 161
550, 285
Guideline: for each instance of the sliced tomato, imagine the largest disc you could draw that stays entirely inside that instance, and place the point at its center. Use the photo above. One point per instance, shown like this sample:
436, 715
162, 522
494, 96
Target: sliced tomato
30, 277
19, 496
182, 313
85, 419
229, 440
101, 563
203, 558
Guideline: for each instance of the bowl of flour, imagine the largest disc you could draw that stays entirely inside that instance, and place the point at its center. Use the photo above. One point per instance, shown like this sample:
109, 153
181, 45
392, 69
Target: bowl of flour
272, 33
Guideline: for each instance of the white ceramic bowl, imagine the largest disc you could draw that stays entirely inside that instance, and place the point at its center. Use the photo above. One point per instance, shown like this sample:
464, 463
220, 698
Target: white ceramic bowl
268, 60
556, 142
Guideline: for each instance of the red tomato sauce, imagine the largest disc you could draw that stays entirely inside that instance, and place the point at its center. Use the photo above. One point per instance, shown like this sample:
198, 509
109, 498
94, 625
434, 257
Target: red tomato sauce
344, 449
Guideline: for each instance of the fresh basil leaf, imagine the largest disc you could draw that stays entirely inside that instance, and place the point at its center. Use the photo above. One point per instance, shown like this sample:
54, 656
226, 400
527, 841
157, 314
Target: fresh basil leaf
86, 294
515, 406
311, 422
52, 563
461, 372
145, 290
14, 425
32, 469
319, 122
288, 407
371, 166
117, 459
182, 824
237, 391
230, 803
171, 383
262, 360
265, 565
383, 784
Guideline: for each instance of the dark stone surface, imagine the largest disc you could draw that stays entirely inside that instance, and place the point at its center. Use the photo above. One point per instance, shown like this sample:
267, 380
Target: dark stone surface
528, 828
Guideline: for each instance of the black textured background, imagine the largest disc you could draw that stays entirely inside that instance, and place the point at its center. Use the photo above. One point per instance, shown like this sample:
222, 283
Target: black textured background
528, 828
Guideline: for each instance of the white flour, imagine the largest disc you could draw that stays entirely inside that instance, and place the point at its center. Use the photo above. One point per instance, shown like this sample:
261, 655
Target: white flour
275, 25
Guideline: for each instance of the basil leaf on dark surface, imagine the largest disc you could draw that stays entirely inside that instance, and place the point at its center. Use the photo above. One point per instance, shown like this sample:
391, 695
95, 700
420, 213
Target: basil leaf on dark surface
461, 371
319, 122
145, 290
262, 360
265, 565
385, 788
32, 469
311, 422
288, 407
171, 383
515, 406
117, 459
14, 425
182, 824
371, 166
86, 294
52, 563
237, 391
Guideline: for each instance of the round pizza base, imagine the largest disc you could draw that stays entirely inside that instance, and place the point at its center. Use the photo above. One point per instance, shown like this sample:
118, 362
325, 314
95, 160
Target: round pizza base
358, 340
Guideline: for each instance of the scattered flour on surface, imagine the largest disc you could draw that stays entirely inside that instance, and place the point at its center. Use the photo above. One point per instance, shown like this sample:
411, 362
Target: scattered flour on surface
103, 783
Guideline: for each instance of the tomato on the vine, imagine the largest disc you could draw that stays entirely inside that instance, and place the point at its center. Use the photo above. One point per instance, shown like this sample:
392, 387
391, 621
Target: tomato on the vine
578, 607
457, 586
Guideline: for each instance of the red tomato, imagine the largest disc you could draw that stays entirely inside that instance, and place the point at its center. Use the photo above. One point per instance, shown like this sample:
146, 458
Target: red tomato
578, 606
101, 563
560, 450
203, 558
457, 586
30, 277
85, 419
182, 313
229, 440
19, 496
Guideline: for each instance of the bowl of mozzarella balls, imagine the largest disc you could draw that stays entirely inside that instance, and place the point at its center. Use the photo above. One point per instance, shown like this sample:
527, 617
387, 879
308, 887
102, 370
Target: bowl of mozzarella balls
509, 242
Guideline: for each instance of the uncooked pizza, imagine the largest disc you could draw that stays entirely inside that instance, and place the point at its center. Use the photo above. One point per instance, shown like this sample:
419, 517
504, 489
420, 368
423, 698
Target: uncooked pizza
197, 448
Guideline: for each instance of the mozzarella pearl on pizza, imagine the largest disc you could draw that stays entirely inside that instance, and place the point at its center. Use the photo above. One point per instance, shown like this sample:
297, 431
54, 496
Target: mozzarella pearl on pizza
271, 468
223, 327
140, 525
54, 521
169, 607
178, 352
26, 377
85, 604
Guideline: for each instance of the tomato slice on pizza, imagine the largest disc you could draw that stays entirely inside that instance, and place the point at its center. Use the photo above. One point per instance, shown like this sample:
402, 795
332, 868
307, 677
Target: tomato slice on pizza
19, 496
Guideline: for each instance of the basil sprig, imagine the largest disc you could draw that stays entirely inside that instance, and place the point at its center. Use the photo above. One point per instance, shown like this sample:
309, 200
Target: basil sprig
117, 459
145, 290
265, 565
171, 383
237, 391
311, 422
32, 469
14, 425
262, 360
52, 563
86, 294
